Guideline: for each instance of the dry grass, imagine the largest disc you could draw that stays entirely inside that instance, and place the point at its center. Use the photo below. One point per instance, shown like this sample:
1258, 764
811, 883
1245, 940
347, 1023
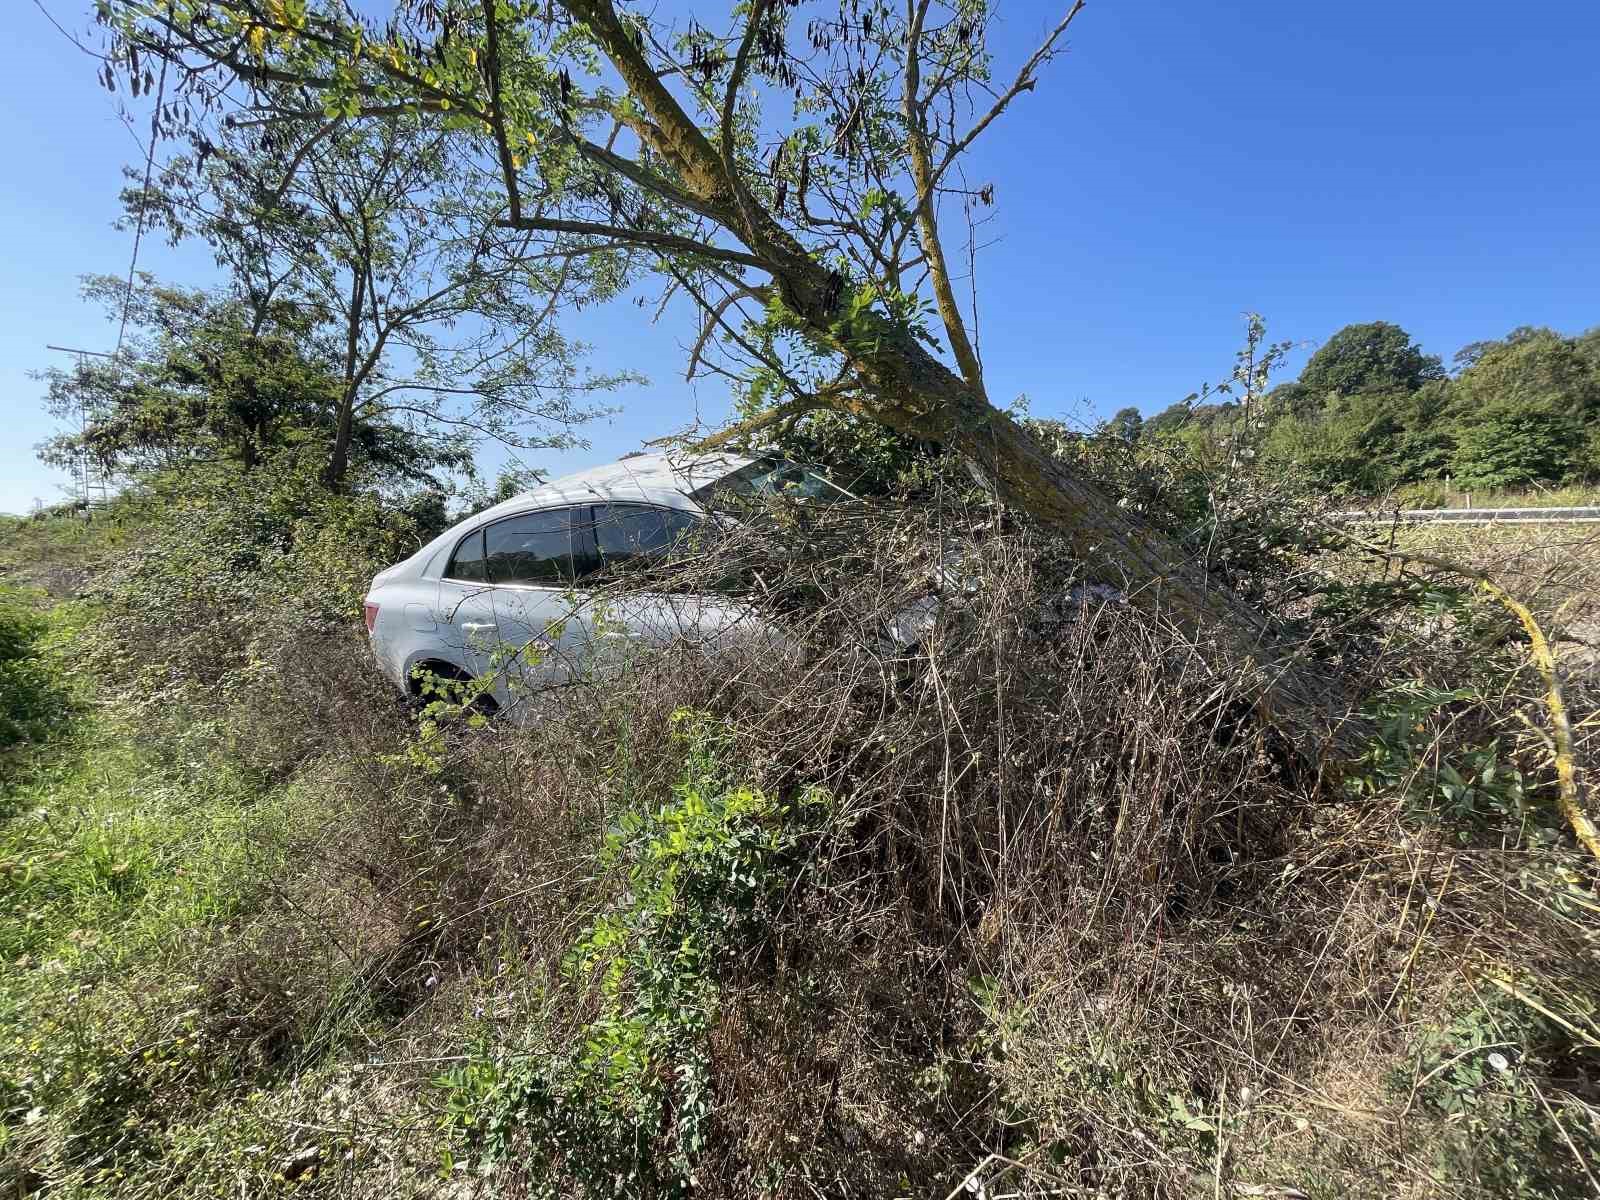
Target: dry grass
1072, 914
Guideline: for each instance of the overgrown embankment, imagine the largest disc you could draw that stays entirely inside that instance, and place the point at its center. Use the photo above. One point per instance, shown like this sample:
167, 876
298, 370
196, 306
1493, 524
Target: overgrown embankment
1035, 902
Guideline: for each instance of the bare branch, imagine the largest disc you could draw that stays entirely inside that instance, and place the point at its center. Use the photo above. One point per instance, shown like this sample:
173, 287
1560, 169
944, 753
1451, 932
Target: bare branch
1023, 83
713, 318
636, 237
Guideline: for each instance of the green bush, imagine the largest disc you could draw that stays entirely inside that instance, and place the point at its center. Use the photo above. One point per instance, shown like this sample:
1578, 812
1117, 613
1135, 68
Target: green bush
624, 1108
1506, 447
1493, 1071
1416, 751
238, 567
32, 698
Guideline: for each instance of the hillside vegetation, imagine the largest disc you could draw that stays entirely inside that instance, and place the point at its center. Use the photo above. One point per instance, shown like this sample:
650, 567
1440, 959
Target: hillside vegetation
1038, 906
1373, 413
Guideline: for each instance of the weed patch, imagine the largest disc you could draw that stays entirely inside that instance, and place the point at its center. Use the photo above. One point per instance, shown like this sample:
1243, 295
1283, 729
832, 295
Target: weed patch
625, 1108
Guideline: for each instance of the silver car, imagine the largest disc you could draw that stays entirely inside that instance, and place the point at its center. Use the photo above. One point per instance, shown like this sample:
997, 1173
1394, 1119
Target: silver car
508, 596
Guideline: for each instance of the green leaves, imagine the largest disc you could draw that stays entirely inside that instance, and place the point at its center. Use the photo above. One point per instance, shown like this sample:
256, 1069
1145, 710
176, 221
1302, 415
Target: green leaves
1411, 753
1509, 446
624, 1108
1494, 1069
1372, 357
33, 697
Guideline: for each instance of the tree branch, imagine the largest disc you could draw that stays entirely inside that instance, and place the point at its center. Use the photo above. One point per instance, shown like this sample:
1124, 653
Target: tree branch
1023, 83
636, 237
649, 180
743, 430
491, 68
922, 175
730, 103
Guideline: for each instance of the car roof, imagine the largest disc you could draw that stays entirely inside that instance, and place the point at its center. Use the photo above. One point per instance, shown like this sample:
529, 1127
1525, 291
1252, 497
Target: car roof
653, 478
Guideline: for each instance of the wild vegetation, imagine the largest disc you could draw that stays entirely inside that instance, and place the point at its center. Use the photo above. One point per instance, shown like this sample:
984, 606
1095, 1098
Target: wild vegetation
1371, 413
1037, 903
1268, 880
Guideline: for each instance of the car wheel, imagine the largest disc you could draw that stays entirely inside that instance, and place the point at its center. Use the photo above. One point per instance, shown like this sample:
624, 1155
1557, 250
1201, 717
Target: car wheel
430, 681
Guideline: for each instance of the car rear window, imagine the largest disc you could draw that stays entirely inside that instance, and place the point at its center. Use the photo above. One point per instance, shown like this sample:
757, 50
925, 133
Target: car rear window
631, 531
467, 562
535, 548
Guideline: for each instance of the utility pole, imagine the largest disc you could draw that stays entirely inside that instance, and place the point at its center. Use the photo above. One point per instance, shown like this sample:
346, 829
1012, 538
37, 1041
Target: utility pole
87, 480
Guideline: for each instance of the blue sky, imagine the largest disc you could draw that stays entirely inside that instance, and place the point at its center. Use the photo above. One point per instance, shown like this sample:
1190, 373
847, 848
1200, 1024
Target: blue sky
1429, 163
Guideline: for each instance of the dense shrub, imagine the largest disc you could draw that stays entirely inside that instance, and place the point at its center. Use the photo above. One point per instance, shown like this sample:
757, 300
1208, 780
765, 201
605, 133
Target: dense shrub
33, 700
820, 913
237, 565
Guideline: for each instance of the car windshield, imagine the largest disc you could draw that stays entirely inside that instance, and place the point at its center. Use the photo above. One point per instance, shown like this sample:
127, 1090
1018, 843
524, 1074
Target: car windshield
770, 477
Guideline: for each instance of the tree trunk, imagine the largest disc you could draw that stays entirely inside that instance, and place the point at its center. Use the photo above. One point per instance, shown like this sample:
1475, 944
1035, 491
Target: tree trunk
903, 386
339, 459
916, 394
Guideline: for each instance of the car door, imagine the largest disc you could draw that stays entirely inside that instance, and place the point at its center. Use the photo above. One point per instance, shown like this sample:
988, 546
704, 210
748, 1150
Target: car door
466, 620
539, 617
631, 536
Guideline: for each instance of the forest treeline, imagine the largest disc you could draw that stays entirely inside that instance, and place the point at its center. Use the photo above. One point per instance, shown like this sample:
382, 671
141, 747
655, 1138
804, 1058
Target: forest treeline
1372, 413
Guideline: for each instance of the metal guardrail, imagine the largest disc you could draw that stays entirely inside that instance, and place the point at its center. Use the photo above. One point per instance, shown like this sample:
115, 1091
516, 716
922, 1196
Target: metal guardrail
1474, 516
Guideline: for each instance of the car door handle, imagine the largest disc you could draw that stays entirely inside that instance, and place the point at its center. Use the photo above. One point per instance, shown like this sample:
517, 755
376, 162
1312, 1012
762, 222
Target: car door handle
478, 626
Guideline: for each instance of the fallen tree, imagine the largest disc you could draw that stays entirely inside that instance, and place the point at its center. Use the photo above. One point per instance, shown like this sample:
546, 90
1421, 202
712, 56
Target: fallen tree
809, 243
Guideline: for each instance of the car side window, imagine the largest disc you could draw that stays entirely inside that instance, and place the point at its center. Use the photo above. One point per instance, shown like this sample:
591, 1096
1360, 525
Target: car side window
629, 531
535, 548
467, 562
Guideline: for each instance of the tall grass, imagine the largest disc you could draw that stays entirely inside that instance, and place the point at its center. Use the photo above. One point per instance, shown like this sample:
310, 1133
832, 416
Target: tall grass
1034, 903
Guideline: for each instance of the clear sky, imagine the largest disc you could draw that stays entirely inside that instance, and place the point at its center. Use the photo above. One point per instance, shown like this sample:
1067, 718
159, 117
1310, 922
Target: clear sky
1431, 163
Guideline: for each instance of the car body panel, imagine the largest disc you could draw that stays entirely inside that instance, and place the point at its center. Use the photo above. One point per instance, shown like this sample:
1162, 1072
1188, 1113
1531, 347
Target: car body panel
537, 636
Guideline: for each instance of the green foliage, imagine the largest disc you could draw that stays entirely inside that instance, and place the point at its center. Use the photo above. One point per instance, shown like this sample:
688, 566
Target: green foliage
866, 458
624, 1108
359, 233
270, 537
1411, 753
114, 867
207, 379
1126, 423
1252, 531
1373, 357
1371, 413
1345, 446
1532, 368
242, 578
33, 699
1488, 1072
1507, 447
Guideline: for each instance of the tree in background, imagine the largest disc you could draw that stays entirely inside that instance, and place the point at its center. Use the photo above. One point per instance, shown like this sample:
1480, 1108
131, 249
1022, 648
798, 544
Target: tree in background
1533, 368
208, 378
1373, 357
376, 229
1523, 410
1126, 423
1170, 419
1509, 446
1343, 421
1371, 412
